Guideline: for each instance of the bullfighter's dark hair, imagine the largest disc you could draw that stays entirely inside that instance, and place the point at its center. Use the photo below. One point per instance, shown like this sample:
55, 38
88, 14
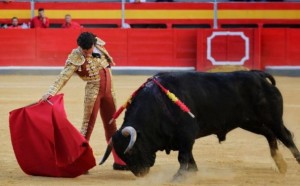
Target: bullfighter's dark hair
86, 40
41, 9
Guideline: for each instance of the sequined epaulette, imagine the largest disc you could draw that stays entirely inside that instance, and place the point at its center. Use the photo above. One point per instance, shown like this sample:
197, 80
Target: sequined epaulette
100, 41
106, 54
76, 58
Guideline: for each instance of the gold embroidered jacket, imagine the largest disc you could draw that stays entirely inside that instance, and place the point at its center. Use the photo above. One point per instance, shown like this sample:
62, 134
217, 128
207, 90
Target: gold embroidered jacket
87, 68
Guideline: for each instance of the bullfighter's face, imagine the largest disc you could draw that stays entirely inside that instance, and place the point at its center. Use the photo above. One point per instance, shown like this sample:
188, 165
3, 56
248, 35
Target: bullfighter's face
139, 158
87, 52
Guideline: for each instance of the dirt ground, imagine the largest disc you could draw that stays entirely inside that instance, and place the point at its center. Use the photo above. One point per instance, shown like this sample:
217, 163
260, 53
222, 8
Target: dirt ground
243, 159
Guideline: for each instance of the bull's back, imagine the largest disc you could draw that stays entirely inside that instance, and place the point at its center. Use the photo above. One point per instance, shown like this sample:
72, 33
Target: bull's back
240, 84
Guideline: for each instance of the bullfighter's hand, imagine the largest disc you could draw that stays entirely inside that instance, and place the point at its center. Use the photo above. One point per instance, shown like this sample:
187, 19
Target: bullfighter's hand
46, 97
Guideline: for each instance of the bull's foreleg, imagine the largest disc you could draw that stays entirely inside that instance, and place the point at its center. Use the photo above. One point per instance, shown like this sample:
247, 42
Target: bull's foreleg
187, 165
192, 166
187, 162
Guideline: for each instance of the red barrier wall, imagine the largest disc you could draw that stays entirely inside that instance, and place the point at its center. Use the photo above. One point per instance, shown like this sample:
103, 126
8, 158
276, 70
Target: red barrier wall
159, 47
228, 47
281, 47
155, 47
140, 47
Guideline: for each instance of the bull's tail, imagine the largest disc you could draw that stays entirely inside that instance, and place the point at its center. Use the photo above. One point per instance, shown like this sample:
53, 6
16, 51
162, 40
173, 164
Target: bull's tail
266, 76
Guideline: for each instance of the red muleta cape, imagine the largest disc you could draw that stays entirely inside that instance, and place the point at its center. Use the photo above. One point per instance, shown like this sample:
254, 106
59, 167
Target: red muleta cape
46, 143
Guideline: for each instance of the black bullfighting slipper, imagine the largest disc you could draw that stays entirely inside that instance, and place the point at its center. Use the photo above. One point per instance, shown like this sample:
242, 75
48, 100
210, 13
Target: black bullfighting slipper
120, 167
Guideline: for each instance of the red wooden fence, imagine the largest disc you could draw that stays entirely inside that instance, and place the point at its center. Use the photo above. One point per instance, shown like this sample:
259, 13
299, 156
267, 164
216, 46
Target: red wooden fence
157, 47
254, 47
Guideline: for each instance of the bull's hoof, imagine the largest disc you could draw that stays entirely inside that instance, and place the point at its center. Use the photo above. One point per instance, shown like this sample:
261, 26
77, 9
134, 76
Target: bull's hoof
180, 176
192, 168
298, 159
280, 163
282, 168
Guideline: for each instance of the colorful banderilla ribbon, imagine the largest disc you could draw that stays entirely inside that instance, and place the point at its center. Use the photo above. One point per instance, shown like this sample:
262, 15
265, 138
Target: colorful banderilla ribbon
125, 105
172, 97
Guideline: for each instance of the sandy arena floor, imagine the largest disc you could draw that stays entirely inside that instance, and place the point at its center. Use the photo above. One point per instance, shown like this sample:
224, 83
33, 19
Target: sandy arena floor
243, 159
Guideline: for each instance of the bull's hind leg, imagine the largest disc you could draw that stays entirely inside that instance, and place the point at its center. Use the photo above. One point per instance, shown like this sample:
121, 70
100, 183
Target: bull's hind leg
271, 138
285, 136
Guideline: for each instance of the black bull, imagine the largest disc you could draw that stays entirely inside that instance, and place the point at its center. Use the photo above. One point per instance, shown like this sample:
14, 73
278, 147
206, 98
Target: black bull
220, 102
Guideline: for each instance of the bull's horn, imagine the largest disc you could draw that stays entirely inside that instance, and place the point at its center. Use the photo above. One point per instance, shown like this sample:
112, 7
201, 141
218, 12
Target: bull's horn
107, 152
132, 132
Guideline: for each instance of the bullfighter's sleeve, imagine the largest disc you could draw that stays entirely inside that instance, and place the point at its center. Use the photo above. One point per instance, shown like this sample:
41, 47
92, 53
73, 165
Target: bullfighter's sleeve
73, 63
62, 79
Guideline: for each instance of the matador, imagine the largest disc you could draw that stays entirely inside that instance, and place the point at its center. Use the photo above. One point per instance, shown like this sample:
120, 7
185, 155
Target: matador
91, 61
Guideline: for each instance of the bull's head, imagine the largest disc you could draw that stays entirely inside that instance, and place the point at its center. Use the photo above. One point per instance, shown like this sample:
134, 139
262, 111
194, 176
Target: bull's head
132, 149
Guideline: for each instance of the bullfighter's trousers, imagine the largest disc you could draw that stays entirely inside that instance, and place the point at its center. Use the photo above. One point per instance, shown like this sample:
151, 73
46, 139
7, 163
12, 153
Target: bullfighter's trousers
100, 95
